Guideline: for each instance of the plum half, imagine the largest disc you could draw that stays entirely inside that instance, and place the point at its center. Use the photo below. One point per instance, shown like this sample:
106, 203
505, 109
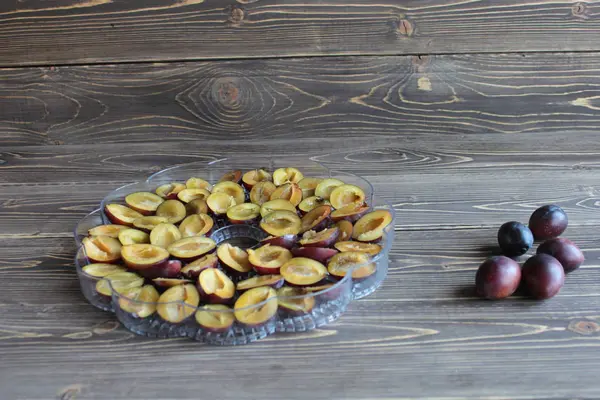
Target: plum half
320, 254
565, 251
360, 264
193, 269
234, 258
102, 249
497, 277
215, 286
119, 282
301, 271
281, 176
139, 301
169, 191
100, 270
294, 300
187, 195
196, 225
370, 227
276, 205
232, 189
120, 214
287, 241
219, 203
133, 236
256, 306
268, 259
543, 276
191, 248
280, 223
197, 206
169, 282
274, 281
197, 183
308, 186
316, 219
548, 222
149, 222
345, 228
347, 195
215, 318
111, 230
163, 235
324, 238
178, 303
350, 212
369, 248
311, 203
173, 210
252, 177
145, 203
232, 176
144, 256
288, 191
243, 213
261, 192
326, 186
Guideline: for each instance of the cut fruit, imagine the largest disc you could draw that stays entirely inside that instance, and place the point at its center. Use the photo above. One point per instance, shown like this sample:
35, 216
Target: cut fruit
274, 281
120, 214
255, 176
215, 318
139, 301
119, 281
351, 213
100, 270
234, 258
308, 186
316, 219
197, 206
280, 223
268, 259
294, 300
197, 183
326, 186
163, 235
144, 256
233, 176
282, 176
219, 203
369, 248
359, 263
256, 306
193, 270
287, 241
232, 189
243, 213
347, 195
178, 303
187, 195
325, 291
320, 254
102, 249
345, 228
288, 191
324, 238
261, 192
215, 287
370, 227
172, 210
145, 203
170, 190
111, 230
133, 236
192, 248
169, 282
146, 224
196, 225
310, 203
303, 271
276, 205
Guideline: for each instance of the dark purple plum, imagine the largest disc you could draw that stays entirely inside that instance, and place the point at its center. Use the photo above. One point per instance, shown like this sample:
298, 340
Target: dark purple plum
548, 222
565, 251
543, 276
514, 238
497, 277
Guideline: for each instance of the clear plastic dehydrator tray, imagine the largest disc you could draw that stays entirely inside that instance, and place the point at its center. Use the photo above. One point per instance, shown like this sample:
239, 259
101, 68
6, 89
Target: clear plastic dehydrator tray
175, 307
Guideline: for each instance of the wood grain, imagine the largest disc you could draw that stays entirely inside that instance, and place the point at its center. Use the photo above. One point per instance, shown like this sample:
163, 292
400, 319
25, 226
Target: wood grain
98, 31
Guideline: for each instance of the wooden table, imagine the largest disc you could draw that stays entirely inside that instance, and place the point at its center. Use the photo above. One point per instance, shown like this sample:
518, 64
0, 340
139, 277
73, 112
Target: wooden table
464, 115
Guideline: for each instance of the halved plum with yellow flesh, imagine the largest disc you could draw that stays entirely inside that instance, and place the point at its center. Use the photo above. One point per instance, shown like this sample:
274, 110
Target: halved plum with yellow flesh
347, 195
197, 183
326, 186
145, 203
120, 214
274, 281
369, 248
139, 301
178, 303
148, 223
111, 230
233, 176
350, 213
215, 287
302, 271
316, 219
282, 176
345, 228
120, 282
196, 225
197, 206
294, 300
261, 192
192, 248
359, 263
193, 269
100, 270
232, 189
287, 241
187, 195
169, 191
320, 254
219, 203
173, 210
310, 203
324, 238
255, 176
215, 318
288, 191
102, 249
370, 226
276, 205
308, 186
256, 306
243, 213
280, 223
169, 282
133, 236
163, 235
268, 259
144, 256
234, 258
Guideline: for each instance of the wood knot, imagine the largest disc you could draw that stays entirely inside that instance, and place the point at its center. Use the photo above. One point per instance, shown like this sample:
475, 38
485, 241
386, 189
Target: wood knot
105, 327
405, 27
226, 92
236, 16
579, 10
584, 327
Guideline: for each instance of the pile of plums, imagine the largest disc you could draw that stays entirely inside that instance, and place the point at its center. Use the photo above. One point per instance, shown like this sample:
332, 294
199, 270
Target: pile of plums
543, 274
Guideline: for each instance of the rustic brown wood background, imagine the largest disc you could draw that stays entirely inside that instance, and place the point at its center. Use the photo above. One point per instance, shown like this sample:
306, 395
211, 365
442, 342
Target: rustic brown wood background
464, 114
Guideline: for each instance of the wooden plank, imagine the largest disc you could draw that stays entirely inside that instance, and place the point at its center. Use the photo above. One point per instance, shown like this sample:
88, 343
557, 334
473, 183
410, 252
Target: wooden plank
99, 31
301, 98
